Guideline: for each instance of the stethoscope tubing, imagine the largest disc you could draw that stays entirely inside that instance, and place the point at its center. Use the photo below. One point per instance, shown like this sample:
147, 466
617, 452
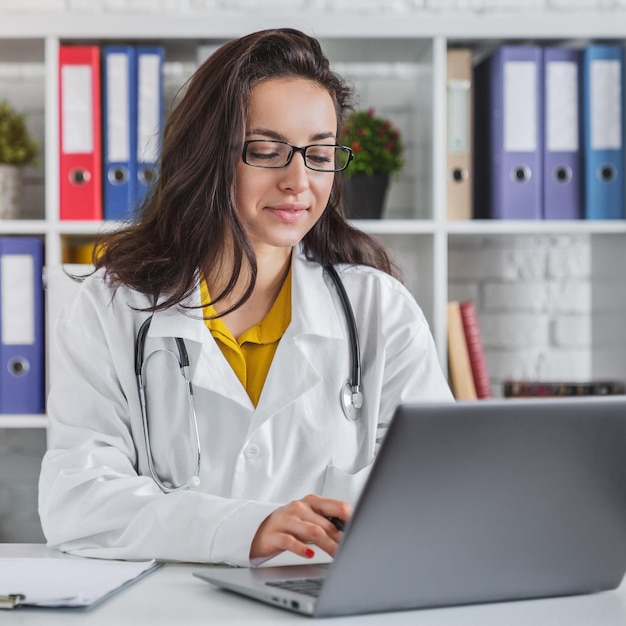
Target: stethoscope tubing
140, 373
351, 397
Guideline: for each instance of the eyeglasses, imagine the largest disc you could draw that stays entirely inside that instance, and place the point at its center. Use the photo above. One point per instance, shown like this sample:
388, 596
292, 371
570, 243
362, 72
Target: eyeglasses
277, 154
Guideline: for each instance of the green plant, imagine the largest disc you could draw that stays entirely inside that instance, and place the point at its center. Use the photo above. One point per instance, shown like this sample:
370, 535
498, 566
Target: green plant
376, 143
16, 145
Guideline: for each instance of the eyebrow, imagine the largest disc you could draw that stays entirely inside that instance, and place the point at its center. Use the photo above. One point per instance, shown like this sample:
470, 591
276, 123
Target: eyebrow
266, 132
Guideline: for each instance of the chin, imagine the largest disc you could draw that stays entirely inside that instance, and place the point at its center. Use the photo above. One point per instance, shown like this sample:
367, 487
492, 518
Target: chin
284, 240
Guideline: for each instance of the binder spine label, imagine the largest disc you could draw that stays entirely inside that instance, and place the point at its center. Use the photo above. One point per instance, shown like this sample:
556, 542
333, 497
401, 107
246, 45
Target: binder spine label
149, 111
17, 277
77, 136
606, 105
118, 104
520, 110
458, 122
561, 106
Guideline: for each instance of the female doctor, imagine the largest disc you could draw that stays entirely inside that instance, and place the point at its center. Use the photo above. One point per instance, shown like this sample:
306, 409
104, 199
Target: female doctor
230, 266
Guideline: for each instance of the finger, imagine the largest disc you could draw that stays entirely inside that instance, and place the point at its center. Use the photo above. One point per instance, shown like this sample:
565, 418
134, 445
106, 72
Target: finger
336, 511
293, 528
289, 543
322, 535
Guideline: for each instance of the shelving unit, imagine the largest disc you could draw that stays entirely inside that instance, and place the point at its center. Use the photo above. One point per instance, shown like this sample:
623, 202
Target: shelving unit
419, 234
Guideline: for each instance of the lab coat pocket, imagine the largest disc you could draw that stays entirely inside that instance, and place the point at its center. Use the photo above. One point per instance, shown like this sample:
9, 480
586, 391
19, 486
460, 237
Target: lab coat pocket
341, 485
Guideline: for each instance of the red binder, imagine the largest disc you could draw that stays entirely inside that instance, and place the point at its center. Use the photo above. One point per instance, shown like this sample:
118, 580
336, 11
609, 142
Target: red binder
80, 157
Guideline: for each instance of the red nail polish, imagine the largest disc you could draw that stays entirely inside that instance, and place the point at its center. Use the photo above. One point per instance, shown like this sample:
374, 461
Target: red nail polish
309, 553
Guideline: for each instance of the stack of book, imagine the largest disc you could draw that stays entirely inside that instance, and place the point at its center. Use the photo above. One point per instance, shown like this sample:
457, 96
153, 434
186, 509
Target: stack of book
467, 367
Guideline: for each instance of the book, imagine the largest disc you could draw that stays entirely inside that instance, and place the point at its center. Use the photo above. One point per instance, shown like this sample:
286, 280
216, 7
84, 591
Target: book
475, 349
459, 366
536, 389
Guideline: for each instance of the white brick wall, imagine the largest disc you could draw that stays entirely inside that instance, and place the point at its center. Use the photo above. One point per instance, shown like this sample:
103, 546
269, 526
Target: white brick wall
533, 297
532, 293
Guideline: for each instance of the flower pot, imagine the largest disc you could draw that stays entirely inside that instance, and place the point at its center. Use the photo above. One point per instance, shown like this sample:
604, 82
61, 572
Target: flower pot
11, 189
364, 196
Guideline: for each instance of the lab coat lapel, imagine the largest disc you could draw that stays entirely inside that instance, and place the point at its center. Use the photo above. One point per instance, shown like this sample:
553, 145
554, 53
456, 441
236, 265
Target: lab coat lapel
208, 367
299, 362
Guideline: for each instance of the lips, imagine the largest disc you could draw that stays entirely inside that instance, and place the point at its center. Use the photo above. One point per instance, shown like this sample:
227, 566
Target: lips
288, 212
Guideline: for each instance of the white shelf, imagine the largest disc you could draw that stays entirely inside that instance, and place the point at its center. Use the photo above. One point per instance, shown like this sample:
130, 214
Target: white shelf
376, 25
23, 227
380, 227
535, 227
23, 421
351, 40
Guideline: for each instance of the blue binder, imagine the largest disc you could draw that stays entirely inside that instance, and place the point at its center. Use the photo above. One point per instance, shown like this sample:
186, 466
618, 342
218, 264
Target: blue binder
508, 170
119, 126
149, 116
562, 163
22, 384
603, 113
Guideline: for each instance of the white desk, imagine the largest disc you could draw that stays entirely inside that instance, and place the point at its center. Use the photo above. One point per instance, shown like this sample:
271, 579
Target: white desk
172, 596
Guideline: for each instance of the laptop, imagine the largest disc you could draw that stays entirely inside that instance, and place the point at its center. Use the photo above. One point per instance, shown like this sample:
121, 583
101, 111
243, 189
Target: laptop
472, 502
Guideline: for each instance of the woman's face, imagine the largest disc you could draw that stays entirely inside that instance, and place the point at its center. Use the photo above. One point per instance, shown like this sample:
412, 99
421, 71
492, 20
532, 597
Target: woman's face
279, 206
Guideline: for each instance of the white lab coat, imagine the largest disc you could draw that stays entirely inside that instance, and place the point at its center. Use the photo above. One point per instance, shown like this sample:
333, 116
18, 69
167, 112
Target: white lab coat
96, 494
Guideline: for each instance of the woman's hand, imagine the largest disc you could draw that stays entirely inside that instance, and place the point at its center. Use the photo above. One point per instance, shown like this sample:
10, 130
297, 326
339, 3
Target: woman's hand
296, 525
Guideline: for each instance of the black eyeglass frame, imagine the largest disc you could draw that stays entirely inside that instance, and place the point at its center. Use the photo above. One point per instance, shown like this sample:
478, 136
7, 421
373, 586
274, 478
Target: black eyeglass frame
295, 149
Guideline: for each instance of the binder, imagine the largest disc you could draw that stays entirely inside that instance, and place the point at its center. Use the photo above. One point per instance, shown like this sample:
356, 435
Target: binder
508, 131
459, 135
80, 159
21, 325
562, 162
603, 111
149, 115
119, 126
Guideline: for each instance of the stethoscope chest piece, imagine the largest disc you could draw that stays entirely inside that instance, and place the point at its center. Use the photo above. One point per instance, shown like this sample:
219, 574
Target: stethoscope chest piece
351, 399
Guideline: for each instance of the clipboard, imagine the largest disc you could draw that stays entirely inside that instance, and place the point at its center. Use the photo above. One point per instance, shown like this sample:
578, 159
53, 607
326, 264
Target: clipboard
66, 582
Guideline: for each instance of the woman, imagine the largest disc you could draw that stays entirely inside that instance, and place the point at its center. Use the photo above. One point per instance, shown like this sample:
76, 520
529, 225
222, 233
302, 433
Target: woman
229, 255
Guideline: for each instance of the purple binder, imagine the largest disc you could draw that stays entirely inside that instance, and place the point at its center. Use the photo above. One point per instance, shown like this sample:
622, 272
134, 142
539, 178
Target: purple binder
562, 164
508, 134
22, 379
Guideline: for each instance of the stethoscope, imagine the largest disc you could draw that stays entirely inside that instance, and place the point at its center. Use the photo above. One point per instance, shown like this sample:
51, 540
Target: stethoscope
351, 396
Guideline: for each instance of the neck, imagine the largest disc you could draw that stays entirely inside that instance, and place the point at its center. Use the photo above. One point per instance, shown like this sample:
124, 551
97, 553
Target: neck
272, 267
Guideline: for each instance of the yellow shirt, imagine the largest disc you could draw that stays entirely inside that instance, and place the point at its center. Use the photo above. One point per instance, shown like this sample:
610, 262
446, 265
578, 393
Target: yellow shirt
251, 354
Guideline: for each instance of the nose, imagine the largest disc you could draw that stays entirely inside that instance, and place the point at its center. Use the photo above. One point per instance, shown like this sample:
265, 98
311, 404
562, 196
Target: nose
295, 177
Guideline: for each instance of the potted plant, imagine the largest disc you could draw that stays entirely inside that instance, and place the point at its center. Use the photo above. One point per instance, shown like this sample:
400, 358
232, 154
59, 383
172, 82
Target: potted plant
378, 153
17, 149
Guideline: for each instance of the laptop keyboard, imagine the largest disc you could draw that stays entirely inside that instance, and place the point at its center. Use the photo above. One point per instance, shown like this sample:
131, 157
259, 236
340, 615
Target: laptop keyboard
307, 586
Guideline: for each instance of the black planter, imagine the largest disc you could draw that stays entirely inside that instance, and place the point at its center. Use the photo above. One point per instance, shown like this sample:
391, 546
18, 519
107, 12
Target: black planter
364, 196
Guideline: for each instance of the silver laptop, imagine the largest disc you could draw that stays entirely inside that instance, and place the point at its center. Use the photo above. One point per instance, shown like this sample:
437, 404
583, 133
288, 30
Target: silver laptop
472, 502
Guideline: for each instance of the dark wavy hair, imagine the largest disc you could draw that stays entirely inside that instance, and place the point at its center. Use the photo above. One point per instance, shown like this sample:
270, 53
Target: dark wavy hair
189, 214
